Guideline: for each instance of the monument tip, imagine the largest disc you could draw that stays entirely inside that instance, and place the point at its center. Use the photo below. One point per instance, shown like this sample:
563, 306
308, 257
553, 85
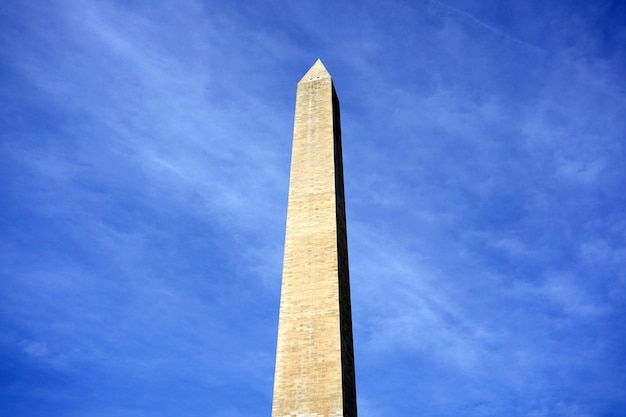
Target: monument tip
316, 72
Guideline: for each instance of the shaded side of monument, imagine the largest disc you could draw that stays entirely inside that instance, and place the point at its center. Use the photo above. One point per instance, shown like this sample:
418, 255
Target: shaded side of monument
314, 374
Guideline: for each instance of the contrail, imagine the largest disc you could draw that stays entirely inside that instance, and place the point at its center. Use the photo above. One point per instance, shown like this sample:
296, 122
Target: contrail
487, 26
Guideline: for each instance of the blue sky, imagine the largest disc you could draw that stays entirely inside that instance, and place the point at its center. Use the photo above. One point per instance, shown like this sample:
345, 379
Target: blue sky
144, 158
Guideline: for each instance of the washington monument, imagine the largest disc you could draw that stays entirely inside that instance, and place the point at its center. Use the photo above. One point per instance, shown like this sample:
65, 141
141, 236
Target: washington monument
314, 374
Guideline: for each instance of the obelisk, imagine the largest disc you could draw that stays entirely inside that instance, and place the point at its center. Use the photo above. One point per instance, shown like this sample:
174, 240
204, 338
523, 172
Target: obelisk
314, 374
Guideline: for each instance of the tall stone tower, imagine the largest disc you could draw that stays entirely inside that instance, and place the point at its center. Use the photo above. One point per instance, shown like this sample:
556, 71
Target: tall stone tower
314, 360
